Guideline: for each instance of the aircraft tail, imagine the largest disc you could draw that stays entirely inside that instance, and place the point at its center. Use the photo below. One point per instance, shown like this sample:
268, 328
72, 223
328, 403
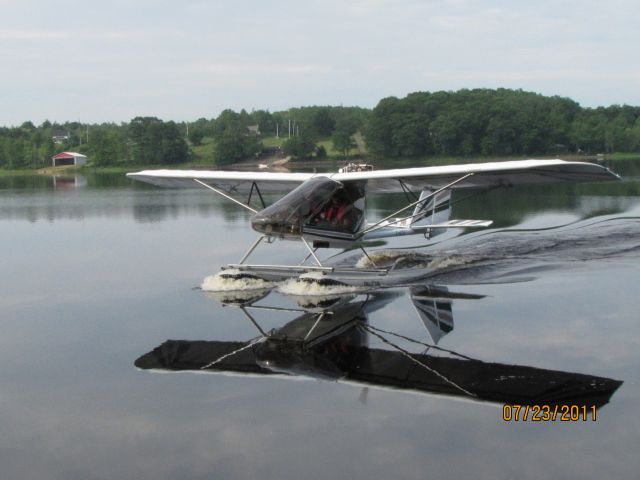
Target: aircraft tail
435, 210
430, 217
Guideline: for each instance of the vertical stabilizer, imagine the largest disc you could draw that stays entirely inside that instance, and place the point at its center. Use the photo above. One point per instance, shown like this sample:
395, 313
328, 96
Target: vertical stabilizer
434, 210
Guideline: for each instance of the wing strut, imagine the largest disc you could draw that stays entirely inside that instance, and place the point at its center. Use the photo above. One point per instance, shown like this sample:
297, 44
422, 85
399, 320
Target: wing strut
228, 197
255, 185
407, 191
379, 223
368, 257
250, 251
312, 252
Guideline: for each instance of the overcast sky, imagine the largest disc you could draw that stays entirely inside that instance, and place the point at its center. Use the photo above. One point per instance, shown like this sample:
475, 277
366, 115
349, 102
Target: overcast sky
180, 60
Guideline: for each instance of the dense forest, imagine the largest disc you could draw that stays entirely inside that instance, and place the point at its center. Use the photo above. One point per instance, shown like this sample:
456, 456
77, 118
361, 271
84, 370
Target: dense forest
497, 122
481, 122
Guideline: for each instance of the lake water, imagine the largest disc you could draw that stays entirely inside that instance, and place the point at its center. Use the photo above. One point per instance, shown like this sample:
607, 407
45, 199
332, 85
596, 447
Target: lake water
114, 364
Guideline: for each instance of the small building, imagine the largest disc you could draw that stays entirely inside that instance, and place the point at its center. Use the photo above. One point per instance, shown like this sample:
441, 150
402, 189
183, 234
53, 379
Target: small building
59, 136
254, 129
68, 158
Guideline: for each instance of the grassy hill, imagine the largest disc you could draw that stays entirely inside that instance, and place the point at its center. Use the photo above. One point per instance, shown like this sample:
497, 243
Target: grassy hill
203, 154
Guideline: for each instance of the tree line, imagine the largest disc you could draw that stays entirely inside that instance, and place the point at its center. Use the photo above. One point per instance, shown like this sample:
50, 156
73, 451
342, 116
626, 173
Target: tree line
479, 122
497, 122
151, 141
144, 140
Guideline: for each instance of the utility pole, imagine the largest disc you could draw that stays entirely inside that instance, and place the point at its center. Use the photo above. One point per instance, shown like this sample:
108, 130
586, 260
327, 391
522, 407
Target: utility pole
277, 133
289, 128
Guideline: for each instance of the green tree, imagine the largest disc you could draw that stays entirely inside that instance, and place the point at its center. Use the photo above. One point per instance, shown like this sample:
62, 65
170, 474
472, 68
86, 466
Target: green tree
196, 135
153, 141
321, 152
234, 142
488, 122
342, 137
322, 121
301, 146
144, 137
378, 131
265, 121
173, 148
105, 146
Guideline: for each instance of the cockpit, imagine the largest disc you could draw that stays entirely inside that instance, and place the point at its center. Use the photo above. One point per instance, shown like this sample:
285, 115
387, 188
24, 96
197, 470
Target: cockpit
319, 204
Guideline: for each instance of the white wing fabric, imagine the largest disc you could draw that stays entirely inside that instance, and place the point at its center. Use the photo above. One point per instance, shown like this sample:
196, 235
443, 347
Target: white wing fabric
484, 175
223, 180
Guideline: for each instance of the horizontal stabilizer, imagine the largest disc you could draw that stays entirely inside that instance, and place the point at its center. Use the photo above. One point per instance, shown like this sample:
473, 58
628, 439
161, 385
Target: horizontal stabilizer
455, 224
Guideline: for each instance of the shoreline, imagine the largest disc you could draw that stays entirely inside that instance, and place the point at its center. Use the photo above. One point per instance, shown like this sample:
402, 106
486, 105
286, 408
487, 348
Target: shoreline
307, 165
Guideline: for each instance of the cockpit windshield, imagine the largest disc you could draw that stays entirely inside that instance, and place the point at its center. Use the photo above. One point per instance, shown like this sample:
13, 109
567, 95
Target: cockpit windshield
344, 212
287, 216
318, 204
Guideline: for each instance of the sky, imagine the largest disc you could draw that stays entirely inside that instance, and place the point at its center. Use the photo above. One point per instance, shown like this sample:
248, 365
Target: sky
113, 60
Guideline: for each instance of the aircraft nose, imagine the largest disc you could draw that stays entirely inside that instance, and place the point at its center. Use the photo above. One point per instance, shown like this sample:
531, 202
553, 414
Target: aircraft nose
261, 224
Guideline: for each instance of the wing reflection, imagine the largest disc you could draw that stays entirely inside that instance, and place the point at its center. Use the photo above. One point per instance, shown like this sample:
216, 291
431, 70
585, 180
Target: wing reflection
331, 339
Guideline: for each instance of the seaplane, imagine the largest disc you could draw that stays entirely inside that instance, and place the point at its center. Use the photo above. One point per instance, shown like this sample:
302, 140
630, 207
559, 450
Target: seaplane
328, 210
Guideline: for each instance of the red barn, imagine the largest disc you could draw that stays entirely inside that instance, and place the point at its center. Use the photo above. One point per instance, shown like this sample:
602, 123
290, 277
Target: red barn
68, 158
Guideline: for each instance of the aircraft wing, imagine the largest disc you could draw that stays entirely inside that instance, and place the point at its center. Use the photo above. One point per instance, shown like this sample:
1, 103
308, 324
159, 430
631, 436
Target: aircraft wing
223, 180
484, 175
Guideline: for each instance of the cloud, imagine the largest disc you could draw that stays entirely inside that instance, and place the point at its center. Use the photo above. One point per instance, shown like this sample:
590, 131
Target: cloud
262, 68
351, 53
38, 35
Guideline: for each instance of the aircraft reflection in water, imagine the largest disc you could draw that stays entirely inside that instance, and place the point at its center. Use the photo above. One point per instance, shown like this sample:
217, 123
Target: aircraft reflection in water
330, 340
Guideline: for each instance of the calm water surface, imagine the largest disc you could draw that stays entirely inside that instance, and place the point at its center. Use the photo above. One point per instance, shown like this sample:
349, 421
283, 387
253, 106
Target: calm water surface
98, 274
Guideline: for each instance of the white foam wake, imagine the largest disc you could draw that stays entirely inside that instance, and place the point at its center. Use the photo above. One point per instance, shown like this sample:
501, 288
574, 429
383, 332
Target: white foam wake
309, 285
384, 258
231, 279
380, 257
452, 261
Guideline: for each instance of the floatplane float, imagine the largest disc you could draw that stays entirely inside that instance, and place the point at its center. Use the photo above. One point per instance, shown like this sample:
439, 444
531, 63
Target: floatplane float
328, 210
